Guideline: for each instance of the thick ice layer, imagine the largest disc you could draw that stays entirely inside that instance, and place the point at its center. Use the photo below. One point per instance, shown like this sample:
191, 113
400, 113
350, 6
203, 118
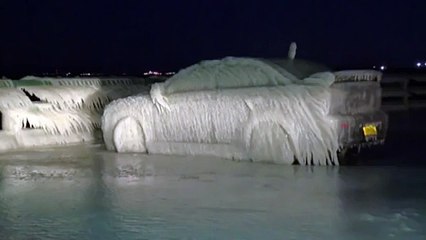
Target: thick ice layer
358, 75
82, 97
54, 121
65, 97
350, 98
38, 137
230, 72
13, 98
49, 111
233, 123
94, 82
239, 108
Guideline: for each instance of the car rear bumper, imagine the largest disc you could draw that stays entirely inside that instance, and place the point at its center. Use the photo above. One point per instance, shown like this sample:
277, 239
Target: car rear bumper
352, 133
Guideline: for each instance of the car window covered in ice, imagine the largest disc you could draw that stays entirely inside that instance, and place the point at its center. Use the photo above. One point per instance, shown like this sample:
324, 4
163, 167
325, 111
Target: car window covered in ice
226, 73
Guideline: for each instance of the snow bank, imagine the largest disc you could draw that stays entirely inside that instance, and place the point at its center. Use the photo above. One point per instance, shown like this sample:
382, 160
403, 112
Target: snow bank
213, 108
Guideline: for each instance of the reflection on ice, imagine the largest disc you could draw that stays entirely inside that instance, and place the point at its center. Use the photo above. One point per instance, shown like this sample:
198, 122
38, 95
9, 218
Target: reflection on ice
127, 169
85, 192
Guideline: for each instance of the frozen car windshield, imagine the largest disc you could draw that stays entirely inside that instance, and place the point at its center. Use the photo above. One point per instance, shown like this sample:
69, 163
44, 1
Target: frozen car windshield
230, 72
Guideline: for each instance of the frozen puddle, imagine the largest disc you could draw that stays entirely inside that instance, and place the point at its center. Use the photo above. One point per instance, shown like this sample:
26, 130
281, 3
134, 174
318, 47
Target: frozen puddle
83, 192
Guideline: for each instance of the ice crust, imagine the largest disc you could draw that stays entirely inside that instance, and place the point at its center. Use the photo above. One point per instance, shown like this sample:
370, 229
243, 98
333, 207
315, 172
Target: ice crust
69, 110
230, 72
55, 122
215, 108
13, 98
70, 97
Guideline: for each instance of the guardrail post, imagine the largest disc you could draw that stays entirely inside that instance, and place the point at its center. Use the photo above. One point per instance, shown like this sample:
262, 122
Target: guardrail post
407, 94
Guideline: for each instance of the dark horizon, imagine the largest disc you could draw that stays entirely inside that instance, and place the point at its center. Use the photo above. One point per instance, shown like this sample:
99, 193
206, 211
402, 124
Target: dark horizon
131, 37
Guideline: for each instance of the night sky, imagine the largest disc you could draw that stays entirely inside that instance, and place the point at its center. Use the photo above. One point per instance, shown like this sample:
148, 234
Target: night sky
134, 36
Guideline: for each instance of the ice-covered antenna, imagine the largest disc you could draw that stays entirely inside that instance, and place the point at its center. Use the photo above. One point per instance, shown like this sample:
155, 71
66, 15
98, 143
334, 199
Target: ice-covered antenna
292, 51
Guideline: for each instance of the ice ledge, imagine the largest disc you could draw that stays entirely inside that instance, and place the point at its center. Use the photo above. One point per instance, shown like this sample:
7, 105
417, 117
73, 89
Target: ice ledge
227, 151
358, 75
38, 138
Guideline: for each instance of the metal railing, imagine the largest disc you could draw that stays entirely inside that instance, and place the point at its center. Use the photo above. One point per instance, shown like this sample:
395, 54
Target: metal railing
403, 91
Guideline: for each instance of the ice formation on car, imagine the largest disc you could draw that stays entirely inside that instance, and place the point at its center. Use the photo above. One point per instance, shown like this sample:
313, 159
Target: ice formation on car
240, 108
48, 111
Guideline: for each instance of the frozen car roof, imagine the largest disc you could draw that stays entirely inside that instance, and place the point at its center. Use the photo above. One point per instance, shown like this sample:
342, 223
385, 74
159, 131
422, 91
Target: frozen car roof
234, 72
230, 72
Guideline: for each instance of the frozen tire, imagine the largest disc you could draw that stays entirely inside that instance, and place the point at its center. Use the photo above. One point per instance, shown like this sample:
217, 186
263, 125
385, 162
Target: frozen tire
348, 156
129, 136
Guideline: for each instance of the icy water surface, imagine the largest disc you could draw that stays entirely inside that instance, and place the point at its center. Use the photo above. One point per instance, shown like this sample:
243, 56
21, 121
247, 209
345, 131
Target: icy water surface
84, 192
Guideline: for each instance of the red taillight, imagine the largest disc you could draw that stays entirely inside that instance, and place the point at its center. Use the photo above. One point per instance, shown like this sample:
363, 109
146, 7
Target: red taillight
344, 125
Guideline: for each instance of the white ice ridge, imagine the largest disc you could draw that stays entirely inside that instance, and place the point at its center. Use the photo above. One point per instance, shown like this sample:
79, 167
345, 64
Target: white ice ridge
56, 122
95, 82
13, 98
358, 75
64, 97
214, 108
48, 111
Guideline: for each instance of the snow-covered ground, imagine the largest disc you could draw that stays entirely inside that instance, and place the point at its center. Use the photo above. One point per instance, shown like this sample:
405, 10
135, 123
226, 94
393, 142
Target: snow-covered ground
85, 192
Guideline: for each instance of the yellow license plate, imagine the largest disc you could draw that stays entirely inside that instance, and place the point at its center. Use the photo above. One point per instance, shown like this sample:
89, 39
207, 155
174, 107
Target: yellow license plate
370, 130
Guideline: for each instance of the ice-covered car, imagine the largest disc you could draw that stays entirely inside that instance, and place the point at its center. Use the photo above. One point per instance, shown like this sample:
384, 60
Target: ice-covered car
36, 112
284, 111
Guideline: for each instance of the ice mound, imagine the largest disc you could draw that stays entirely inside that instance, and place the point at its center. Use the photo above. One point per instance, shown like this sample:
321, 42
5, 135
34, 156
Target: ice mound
54, 121
13, 98
237, 108
51, 111
69, 97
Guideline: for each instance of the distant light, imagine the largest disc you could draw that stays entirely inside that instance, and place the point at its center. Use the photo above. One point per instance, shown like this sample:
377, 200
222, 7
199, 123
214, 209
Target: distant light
425, 64
382, 68
152, 73
419, 64
374, 67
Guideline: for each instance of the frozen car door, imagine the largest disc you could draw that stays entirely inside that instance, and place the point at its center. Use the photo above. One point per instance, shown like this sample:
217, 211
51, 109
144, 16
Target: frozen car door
189, 118
230, 113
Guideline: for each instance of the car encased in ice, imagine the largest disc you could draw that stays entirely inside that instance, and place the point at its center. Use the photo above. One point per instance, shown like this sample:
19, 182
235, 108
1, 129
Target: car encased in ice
284, 111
